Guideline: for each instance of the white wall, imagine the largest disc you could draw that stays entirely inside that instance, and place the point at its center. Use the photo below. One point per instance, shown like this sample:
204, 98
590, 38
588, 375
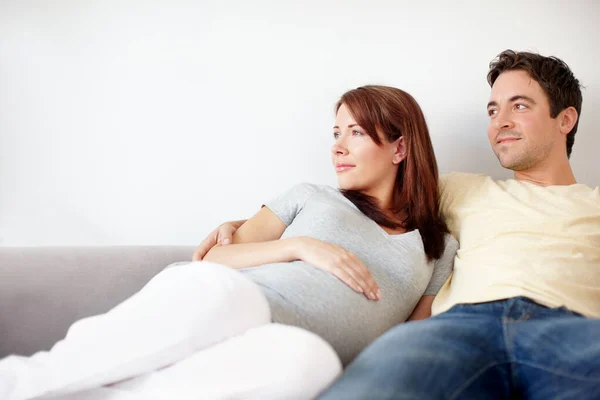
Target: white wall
150, 122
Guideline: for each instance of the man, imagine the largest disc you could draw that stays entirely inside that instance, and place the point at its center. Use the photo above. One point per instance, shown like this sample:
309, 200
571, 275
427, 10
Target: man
519, 316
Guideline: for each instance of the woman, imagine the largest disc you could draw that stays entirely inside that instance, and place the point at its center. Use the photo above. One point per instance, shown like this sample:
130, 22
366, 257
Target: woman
344, 264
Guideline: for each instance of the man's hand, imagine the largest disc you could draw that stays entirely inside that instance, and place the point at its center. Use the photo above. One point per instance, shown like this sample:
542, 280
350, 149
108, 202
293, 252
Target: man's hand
223, 235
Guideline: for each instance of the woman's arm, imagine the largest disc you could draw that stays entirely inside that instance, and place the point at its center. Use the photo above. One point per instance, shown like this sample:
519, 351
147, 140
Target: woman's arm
256, 243
221, 235
422, 309
442, 269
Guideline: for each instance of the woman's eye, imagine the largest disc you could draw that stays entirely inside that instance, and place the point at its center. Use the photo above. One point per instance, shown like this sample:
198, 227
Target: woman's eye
357, 133
336, 135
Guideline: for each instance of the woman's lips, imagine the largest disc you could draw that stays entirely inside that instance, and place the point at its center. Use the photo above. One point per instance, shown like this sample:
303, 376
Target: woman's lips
343, 167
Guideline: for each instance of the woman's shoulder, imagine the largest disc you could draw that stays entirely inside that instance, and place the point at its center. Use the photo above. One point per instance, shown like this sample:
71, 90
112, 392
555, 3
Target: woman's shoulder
314, 188
300, 193
450, 248
450, 241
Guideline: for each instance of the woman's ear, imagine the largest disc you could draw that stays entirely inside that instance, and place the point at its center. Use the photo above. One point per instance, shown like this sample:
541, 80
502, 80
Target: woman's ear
399, 151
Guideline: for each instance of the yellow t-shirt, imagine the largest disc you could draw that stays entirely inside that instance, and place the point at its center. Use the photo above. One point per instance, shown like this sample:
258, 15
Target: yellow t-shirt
520, 239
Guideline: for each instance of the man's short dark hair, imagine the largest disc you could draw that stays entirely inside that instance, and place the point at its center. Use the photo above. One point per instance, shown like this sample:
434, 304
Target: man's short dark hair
554, 76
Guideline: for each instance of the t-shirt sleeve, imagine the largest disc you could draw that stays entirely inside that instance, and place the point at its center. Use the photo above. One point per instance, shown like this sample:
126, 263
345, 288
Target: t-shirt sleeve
442, 267
455, 188
287, 205
448, 189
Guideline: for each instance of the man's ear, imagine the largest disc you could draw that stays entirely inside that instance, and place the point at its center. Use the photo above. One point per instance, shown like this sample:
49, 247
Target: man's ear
399, 151
568, 119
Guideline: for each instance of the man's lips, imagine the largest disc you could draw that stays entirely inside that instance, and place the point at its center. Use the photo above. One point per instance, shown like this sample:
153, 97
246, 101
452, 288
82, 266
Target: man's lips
507, 140
343, 167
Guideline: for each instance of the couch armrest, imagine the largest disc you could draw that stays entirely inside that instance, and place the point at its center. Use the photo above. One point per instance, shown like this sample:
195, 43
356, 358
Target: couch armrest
43, 290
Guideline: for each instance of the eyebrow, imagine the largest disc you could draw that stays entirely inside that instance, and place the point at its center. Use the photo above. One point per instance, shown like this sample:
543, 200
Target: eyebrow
349, 126
513, 99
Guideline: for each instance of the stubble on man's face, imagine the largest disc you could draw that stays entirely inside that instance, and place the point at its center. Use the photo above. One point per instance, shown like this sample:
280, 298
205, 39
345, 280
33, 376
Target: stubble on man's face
521, 132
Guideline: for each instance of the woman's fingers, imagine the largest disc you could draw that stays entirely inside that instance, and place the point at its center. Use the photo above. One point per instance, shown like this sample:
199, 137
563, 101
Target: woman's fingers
353, 272
343, 275
362, 275
370, 286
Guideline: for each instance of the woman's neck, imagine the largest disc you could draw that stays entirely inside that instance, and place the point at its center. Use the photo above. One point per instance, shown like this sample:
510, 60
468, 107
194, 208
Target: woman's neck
384, 197
383, 194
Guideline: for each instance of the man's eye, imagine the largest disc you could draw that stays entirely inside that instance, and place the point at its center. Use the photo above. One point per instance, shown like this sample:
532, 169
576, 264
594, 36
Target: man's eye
520, 106
492, 112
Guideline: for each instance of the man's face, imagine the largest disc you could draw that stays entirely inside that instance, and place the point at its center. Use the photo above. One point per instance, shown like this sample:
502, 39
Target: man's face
521, 131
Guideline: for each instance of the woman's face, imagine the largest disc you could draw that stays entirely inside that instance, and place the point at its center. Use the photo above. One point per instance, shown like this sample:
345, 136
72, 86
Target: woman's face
359, 162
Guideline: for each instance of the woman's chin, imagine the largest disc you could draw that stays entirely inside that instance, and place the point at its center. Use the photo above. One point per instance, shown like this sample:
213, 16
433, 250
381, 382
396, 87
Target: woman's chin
346, 185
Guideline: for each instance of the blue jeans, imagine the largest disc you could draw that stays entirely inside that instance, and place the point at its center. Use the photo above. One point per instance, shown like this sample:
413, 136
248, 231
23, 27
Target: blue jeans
505, 349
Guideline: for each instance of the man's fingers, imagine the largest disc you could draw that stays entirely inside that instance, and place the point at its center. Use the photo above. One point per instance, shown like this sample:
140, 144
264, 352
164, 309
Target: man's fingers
196, 256
205, 246
225, 234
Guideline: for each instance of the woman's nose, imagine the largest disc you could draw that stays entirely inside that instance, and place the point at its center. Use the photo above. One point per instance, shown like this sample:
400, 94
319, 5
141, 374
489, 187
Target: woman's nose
338, 149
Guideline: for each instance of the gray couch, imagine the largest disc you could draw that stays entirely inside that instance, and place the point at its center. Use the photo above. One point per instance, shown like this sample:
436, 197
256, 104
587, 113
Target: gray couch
43, 290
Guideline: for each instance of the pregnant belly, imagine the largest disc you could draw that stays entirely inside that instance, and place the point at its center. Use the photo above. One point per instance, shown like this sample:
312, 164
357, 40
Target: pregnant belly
313, 299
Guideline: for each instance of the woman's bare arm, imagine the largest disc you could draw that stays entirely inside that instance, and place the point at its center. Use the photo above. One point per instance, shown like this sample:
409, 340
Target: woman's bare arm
256, 242
422, 309
221, 235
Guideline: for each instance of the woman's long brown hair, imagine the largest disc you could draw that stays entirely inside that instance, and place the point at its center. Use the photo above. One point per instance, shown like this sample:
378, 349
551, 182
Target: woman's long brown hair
395, 113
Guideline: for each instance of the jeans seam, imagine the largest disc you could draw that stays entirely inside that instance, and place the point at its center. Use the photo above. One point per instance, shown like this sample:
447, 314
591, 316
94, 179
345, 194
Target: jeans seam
556, 372
509, 353
506, 324
472, 379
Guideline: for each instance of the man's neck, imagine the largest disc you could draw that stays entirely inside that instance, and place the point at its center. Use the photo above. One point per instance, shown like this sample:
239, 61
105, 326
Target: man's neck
550, 174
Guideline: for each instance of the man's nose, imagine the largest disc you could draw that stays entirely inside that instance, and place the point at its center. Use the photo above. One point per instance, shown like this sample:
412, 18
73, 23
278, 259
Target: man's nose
503, 121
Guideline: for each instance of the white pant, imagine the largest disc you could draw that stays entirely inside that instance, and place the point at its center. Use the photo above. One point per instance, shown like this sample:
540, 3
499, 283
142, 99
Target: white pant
197, 331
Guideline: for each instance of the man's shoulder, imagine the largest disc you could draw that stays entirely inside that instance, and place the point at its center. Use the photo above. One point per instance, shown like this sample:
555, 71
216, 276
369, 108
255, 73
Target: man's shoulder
462, 180
457, 188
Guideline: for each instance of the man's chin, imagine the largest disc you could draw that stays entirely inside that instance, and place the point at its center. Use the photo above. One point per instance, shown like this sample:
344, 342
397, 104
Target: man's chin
513, 165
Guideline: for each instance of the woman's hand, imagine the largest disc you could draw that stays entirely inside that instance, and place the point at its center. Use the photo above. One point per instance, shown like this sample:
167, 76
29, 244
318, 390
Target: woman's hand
338, 261
222, 235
